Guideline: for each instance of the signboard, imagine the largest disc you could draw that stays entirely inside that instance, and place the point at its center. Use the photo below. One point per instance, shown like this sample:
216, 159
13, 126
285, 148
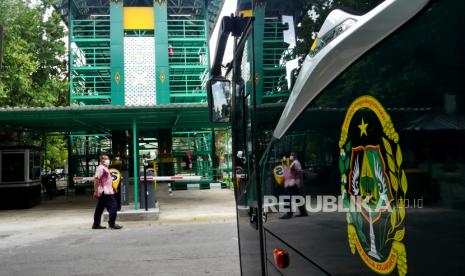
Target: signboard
115, 177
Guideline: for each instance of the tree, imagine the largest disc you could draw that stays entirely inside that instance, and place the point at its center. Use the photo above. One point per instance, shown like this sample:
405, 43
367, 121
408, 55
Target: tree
1, 46
34, 63
34, 68
55, 155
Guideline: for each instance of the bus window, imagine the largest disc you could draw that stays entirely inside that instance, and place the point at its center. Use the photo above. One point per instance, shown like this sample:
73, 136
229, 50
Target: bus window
386, 138
336, 23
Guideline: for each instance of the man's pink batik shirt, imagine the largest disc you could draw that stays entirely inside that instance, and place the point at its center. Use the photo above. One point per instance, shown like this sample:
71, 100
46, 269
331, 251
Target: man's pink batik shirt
104, 180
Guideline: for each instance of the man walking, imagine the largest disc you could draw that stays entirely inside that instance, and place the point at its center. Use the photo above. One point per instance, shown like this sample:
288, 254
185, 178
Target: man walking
293, 184
104, 192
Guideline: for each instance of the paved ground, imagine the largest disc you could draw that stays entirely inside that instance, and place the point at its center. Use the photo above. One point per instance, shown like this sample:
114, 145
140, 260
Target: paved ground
196, 205
194, 236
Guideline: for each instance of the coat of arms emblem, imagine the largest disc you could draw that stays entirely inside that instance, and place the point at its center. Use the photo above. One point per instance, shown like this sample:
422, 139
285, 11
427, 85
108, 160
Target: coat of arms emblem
373, 186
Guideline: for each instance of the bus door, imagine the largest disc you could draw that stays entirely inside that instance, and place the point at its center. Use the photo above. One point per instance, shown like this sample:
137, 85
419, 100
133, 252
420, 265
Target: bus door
248, 207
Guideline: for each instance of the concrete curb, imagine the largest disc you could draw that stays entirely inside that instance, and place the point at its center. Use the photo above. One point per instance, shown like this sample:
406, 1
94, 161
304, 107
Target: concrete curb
136, 215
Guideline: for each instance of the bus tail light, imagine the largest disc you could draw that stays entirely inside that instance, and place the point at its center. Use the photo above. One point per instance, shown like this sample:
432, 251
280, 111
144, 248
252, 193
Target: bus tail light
281, 258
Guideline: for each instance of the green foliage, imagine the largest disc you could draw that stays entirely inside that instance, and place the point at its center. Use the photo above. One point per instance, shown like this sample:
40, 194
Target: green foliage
54, 155
34, 68
34, 62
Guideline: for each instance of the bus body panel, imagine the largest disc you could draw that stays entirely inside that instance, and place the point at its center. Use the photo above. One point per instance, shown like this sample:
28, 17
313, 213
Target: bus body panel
416, 75
318, 71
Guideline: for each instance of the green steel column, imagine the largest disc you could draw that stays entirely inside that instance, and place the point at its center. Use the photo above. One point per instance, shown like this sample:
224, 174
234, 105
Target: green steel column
214, 157
70, 59
117, 52
259, 28
229, 160
44, 143
161, 52
135, 144
70, 161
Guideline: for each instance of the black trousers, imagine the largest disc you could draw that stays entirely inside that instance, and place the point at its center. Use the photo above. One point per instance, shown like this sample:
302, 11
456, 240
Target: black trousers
294, 191
109, 202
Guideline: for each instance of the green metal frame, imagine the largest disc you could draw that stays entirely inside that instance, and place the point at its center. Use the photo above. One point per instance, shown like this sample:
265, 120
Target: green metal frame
97, 78
270, 53
275, 86
90, 77
259, 45
162, 71
189, 63
199, 142
85, 150
135, 158
117, 53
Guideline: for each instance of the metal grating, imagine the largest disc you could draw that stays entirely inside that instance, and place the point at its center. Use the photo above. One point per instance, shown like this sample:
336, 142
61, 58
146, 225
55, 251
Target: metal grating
139, 71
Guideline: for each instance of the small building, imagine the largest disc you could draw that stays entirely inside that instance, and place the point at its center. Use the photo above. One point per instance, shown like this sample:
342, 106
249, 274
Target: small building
20, 185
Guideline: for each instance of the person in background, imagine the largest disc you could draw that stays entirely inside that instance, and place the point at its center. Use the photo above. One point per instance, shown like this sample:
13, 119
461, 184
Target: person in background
293, 183
297, 174
188, 160
104, 192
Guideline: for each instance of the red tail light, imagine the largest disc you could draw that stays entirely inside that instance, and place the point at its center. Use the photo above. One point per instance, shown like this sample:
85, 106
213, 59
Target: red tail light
281, 258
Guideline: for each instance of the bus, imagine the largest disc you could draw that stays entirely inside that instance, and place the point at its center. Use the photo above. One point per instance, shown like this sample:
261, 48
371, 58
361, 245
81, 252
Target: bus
361, 171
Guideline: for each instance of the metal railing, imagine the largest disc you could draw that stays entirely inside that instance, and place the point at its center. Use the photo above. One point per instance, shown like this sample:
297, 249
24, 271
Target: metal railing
98, 28
189, 55
273, 30
91, 85
187, 29
90, 57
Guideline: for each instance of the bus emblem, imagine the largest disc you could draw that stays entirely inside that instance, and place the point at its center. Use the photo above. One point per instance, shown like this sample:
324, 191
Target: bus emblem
374, 190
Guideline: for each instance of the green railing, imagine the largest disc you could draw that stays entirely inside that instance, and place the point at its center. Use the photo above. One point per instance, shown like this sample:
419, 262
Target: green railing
91, 85
189, 55
275, 49
90, 61
86, 150
90, 57
188, 61
274, 30
190, 83
90, 29
272, 56
187, 29
199, 143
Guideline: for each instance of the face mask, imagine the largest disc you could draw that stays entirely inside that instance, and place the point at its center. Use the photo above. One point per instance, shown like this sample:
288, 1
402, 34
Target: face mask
106, 162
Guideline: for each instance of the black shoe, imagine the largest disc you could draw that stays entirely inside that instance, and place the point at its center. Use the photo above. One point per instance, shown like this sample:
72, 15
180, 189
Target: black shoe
286, 216
115, 226
98, 227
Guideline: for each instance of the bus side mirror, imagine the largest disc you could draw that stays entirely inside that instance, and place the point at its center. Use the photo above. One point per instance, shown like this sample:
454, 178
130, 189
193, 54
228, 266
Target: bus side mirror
219, 100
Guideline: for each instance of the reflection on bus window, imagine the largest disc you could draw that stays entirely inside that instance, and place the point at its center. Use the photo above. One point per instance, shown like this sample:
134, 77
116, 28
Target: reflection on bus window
221, 101
336, 23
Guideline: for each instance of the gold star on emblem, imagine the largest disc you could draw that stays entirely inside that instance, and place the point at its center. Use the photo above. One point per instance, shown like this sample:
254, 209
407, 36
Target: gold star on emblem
363, 128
